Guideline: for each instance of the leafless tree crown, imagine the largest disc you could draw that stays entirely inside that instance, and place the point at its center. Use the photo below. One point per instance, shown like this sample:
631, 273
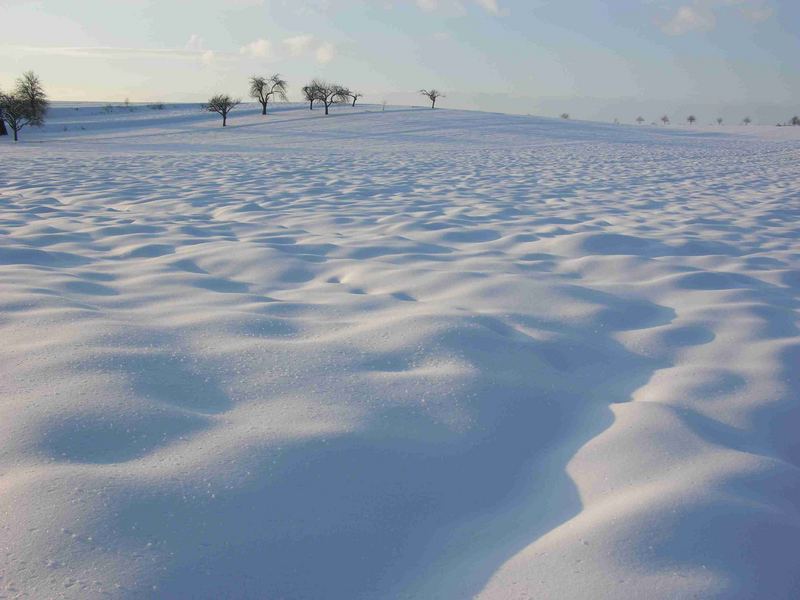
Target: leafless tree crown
327, 93
30, 89
265, 89
222, 104
433, 95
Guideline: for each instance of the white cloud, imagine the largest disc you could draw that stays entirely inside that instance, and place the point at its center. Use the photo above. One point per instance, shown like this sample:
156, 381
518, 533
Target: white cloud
325, 53
701, 15
259, 48
756, 14
490, 6
298, 44
301, 45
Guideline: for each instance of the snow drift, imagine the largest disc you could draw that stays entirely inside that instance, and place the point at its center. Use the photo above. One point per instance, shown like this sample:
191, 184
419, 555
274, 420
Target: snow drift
401, 354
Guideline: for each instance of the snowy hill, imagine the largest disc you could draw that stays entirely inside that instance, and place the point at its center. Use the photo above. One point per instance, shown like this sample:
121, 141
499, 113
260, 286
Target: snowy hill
397, 354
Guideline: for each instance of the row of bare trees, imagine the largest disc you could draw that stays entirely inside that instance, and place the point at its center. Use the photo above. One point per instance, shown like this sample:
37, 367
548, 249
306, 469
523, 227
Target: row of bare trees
691, 119
328, 94
269, 89
26, 104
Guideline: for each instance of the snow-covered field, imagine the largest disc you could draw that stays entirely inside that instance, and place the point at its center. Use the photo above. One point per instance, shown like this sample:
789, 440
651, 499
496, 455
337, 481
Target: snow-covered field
404, 354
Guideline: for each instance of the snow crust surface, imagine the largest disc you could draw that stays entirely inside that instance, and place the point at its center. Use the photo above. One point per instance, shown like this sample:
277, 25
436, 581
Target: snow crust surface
404, 354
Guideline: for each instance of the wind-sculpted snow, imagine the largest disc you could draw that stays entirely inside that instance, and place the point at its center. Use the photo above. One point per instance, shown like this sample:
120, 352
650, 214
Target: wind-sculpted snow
404, 354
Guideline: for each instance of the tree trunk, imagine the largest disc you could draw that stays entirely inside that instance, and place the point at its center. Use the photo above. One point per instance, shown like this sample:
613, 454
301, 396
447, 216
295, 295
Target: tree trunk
3, 130
354, 102
311, 105
433, 103
224, 120
263, 108
326, 108
16, 137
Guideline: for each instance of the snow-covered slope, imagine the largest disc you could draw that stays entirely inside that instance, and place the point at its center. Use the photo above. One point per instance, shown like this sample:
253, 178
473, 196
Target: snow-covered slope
403, 354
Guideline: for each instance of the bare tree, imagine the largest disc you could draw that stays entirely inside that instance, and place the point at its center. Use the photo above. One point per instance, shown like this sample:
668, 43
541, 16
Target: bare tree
222, 104
640, 119
719, 120
355, 96
29, 89
665, 120
327, 93
309, 93
747, 120
432, 95
691, 119
16, 112
265, 88
565, 116
795, 121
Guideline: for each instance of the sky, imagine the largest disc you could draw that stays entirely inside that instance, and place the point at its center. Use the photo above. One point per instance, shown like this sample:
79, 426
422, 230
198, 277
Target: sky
594, 59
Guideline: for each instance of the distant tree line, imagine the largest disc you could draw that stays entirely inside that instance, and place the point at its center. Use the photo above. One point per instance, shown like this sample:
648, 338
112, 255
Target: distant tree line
27, 103
691, 119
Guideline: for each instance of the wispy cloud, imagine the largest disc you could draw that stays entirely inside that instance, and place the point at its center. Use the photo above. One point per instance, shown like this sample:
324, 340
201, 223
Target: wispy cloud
701, 15
303, 45
193, 50
690, 18
459, 6
109, 52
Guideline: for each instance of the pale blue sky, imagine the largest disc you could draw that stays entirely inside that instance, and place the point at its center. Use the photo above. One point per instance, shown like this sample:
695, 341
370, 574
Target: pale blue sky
592, 58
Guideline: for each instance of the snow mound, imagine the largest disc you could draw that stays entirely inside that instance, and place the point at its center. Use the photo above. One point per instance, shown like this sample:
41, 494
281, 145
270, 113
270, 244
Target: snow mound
397, 354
